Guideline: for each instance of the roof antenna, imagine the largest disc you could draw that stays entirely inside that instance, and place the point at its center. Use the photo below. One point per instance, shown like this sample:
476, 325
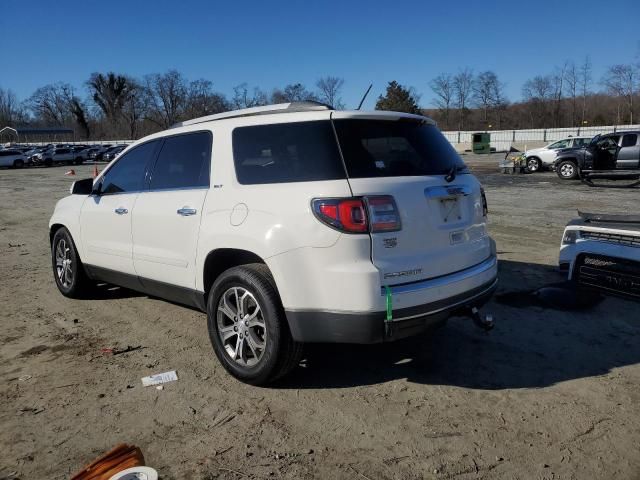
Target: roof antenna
364, 96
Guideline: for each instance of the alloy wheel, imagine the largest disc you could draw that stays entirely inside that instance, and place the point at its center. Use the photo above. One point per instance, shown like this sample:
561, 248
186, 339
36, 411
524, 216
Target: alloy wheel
567, 170
64, 263
241, 326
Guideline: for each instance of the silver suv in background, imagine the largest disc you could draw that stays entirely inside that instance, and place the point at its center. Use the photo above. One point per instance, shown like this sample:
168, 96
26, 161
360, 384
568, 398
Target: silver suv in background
12, 158
539, 158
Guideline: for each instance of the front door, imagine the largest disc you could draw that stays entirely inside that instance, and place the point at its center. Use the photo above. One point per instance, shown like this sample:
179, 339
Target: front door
105, 217
166, 219
629, 153
606, 150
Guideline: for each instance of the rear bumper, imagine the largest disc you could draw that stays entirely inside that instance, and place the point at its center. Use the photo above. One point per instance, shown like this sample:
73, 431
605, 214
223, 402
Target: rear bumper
369, 327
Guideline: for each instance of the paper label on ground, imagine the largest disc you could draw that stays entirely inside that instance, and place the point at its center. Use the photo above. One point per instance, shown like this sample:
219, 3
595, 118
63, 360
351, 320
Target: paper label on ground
160, 378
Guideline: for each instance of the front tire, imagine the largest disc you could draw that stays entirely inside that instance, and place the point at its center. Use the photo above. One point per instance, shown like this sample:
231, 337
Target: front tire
68, 271
18, 164
567, 170
533, 164
248, 328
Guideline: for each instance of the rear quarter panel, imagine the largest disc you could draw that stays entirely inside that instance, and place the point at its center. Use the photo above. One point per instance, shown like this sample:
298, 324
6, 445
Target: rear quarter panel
266, 219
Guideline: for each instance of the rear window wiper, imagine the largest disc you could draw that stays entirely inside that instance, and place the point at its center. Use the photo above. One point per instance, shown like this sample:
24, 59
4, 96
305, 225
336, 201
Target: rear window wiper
451, 175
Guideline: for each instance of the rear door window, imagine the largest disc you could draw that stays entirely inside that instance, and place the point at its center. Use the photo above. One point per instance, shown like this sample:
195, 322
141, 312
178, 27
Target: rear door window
183, 162
393, 148
629, 140
286, 152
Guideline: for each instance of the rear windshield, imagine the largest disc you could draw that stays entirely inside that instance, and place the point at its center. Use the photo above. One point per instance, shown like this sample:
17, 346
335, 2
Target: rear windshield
286, 152
384, 148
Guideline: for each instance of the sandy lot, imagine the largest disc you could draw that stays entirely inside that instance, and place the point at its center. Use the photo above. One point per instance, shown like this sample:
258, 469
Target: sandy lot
547, 394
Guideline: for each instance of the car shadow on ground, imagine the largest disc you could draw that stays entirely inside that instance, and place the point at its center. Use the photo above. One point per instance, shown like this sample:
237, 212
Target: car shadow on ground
104, 291
532, 346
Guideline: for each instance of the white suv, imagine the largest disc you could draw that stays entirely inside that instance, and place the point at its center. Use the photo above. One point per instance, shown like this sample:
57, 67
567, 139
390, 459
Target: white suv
12, 158
544, 157
287, 224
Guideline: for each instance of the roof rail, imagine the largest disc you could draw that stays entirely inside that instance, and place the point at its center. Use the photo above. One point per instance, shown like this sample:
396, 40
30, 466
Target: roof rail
307, 106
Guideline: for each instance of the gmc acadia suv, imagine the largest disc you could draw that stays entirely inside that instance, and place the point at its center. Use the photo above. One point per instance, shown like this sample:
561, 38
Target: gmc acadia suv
286, 224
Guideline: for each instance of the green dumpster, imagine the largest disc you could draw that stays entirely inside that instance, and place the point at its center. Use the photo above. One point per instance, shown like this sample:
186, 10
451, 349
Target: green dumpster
481, 143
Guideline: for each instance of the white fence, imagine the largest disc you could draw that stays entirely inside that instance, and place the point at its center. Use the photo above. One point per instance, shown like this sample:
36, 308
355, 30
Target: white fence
502, 140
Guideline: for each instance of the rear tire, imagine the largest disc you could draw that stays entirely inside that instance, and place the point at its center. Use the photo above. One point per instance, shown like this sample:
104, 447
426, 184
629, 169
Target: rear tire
248, 328
18, 164
68, 271
567, 170
533, 164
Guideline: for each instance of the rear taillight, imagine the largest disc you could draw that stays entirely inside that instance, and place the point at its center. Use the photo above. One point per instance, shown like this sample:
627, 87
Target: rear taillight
358, 214
383, 214
344, 214
485, 207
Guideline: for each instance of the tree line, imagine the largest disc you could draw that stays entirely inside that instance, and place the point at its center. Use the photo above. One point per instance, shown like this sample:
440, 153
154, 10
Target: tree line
113, 105
566, 97
120, 106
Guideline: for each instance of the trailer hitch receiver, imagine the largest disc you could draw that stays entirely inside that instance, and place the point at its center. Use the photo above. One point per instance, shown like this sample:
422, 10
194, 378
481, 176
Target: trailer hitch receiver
483, 321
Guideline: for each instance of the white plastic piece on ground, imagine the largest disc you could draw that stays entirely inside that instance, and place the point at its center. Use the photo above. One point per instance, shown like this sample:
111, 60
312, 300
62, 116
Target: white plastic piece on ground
160, 378
136, 473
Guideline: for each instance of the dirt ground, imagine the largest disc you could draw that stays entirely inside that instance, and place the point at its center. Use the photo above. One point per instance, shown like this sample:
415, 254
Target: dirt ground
547, 394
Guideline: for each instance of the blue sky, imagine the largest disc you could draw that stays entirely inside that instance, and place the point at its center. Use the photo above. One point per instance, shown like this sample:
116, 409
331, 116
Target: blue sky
272, 43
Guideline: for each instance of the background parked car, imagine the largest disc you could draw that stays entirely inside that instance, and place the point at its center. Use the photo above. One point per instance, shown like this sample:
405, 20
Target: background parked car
57, 155
97, 154
539, 158
113, 152
12, 158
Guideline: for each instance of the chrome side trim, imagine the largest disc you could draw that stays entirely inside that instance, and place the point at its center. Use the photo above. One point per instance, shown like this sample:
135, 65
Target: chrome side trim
478, 269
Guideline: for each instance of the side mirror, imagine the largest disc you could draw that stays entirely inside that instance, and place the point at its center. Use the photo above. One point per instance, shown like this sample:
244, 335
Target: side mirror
82, 187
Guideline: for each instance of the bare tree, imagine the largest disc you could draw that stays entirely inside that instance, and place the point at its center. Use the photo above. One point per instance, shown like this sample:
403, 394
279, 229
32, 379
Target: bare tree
442, 86
499, 100
243, 99
110, 92
51, 104
294, 92
585, 84
11, 112
538, 92
484, 89
80, 114
622, 81
571, 77
135, 108
203, 100
558, 84
462, 84
167, 96
329, 91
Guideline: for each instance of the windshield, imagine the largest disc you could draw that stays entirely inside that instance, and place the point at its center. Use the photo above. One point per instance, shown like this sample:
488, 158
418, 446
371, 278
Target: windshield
395, 148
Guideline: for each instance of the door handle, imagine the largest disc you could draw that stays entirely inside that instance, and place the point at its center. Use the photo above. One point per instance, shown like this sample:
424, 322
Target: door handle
186, 211
121, 211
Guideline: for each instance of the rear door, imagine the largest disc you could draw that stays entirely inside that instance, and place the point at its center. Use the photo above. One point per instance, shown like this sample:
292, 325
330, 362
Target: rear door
166, 218
629, 153
443, 228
